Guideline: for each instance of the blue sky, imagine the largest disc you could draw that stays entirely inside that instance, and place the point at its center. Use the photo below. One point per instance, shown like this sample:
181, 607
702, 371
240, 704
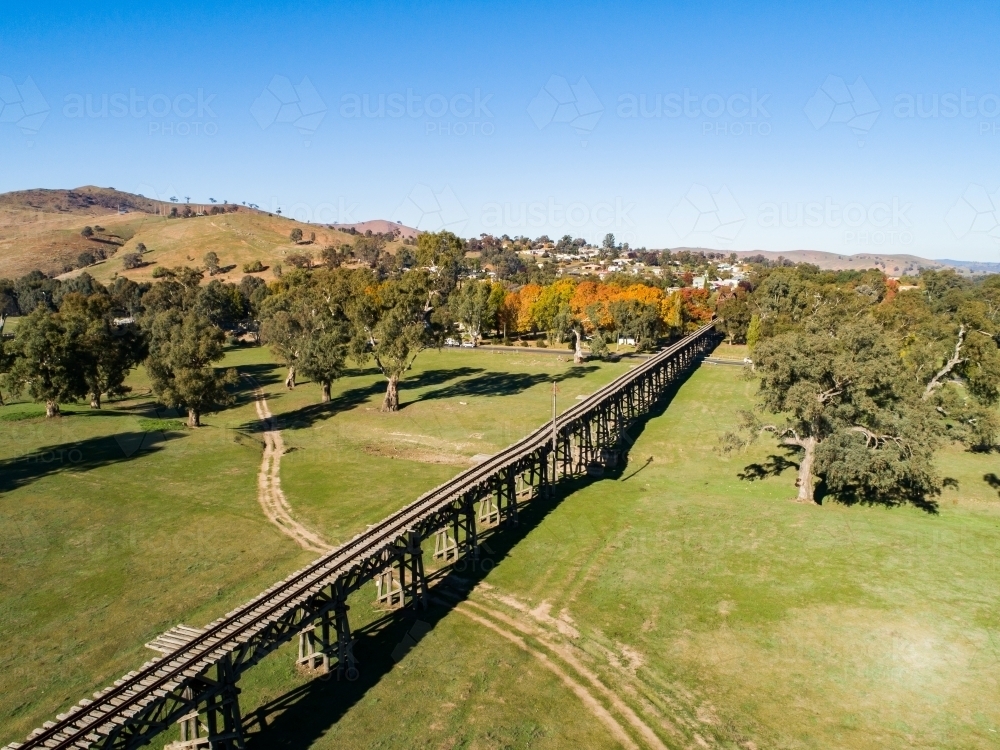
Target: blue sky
838, 127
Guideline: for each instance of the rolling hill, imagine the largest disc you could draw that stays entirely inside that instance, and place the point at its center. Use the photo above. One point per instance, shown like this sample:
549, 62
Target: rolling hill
41, 229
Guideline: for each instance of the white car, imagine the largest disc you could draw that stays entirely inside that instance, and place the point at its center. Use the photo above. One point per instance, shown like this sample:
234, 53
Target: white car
468, 345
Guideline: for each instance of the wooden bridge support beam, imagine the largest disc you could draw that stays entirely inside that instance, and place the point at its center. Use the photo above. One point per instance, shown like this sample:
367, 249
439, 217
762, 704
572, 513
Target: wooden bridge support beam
467, 524
222, 723
412, 578
314, 648
346, 663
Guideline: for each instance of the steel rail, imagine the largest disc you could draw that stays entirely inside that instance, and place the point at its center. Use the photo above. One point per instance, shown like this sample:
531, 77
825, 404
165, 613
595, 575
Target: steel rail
224, 635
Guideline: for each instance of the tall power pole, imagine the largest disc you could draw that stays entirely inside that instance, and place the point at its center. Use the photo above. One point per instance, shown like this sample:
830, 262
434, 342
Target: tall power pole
554, 431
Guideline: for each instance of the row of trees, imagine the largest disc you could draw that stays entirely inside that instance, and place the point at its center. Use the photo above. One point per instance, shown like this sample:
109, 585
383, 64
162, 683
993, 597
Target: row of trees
84, 344
864, 380
80, 339
315, 321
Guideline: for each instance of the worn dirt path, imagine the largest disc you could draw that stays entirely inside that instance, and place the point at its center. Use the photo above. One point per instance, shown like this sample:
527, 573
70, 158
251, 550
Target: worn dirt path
272, 500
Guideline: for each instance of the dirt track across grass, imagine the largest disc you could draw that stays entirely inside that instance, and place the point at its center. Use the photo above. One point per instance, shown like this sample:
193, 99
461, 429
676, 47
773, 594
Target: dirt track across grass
269, 493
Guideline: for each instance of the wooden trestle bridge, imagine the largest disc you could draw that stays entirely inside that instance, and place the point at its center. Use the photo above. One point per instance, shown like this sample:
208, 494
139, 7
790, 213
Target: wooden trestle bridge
193, 683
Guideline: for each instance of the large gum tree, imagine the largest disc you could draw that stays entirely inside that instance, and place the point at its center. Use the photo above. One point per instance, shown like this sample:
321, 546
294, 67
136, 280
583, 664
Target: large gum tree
392, 323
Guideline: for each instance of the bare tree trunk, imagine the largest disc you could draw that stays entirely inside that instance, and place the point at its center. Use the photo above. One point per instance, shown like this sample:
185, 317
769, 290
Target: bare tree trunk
95, 400
955, 359
805, 480
194, 418
325, 398
290, 380
391, 401
578, 350
52, 409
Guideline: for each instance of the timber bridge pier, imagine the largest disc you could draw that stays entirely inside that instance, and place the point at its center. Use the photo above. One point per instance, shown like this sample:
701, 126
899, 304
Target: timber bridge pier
194, 682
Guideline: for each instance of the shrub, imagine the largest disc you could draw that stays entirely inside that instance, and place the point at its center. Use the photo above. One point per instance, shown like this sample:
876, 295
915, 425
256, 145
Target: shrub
160, 273
296, 235
300, 260
85, 259
255, 267
131, 260
87, 232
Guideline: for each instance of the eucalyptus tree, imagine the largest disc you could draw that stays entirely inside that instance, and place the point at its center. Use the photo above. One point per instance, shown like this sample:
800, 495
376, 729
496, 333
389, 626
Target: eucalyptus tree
392, 322
183, 345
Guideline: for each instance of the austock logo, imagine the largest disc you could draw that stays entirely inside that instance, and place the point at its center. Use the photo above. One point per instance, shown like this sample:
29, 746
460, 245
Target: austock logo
431, 211
22, 105
836, 101
879, 223
975, 212
559, 101
733, 115
703, 212
281, 101
185, 114
459, 115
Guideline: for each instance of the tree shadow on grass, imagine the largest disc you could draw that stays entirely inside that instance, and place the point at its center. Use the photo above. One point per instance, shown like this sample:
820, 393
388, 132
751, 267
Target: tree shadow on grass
904, 496
265, 374
307, 416
502, 383
774, 466
436, 377
298, 718
80, 456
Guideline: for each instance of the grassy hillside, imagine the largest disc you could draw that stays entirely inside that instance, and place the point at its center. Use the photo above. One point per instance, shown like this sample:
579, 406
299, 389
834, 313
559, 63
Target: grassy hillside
237, 238
41, 229
890, 264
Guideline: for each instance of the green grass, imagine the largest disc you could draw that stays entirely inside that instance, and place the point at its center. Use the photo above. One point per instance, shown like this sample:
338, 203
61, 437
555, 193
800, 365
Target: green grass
718, 612
121, 523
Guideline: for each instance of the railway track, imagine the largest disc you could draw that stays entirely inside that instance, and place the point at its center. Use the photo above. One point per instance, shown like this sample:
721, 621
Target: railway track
90, 722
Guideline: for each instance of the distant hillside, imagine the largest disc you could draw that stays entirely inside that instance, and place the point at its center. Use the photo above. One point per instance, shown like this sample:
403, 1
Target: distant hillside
87, 200
973, 265
41, 229
383, 226
891, 265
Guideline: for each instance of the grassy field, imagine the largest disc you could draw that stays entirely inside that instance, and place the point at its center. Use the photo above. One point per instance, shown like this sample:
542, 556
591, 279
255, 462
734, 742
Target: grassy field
671, 605
117, 525
678, 606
